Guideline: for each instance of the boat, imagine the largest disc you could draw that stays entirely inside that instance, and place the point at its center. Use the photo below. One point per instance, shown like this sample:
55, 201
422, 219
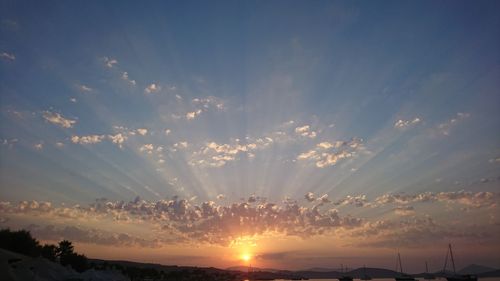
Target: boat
365, 276
427, 275
344, 277
455, 276
402, 276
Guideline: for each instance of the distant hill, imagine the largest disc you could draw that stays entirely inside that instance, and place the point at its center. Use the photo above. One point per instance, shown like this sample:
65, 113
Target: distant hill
494, 273
247, 268
475, 269
357, 273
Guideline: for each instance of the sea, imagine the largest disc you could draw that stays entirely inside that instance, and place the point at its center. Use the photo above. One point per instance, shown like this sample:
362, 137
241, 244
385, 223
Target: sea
392, 279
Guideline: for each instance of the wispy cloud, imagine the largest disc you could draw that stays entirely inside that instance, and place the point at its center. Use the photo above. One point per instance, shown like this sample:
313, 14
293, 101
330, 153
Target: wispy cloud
7, 56
38, 146
58, 119
126, 78
445, 127
403, 124
84, 88
109, 62
328, 154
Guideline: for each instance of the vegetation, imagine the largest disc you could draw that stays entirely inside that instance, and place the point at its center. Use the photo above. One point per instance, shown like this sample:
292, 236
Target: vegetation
22, 242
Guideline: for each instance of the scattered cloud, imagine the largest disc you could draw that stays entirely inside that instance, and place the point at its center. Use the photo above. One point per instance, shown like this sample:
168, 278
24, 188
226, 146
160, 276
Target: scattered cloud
7, 56
445, 127
149, 148
142, 131
118, 139
467, 198
193, 114
38, 146
305, 131
310, 197
494, 160
90, 139
109, 62
152, 88
207, 222
58, 119
209, 102
73, 100
84, 88
403, 124
327, 154
404, 210
213, 154
126, 78
167, 132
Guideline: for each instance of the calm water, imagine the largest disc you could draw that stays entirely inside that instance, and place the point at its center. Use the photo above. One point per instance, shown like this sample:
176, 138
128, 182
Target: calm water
391, 279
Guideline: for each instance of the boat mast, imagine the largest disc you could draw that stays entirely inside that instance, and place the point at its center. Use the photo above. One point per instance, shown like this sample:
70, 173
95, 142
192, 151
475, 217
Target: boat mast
400, 265
452, 260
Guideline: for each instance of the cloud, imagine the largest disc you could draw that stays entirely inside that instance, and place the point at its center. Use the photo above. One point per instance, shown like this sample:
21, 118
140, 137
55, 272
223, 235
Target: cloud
109, 62
84, 88
85, 235
8, 56
181, 219
167, 132
38, 146
73, 100
90, 139
147, 148
327, 154
193, 114
310, 197
358, 201
403, 124
213, 154
404, 210
209, 102
181, 144
494, 160
152, 88
126, 78
118, 139
470, 199
58, 119
445, 127
305, 131
142, 131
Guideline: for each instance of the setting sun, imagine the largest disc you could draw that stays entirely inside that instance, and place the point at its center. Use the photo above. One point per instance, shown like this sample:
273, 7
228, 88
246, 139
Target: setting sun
246, 257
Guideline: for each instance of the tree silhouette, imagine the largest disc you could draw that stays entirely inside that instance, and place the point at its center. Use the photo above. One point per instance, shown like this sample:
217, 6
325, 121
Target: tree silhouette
49, 252
19, 241
65, 248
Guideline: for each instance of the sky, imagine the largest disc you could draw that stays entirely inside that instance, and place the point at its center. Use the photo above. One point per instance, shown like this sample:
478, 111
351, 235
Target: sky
300, 133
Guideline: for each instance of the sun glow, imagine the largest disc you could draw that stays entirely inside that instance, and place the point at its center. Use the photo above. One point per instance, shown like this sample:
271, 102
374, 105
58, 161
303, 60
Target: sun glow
246, 257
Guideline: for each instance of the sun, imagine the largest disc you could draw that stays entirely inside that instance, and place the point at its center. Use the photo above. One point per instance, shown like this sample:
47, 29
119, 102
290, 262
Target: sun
246, 257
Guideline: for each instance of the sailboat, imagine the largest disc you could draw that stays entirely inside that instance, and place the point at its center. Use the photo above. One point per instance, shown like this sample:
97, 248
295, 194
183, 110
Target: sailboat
403, 276
344, 277
365, 276
427, 275
456, 277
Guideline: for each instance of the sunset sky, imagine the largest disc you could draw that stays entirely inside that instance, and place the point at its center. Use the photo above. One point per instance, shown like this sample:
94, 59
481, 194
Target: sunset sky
297, 133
